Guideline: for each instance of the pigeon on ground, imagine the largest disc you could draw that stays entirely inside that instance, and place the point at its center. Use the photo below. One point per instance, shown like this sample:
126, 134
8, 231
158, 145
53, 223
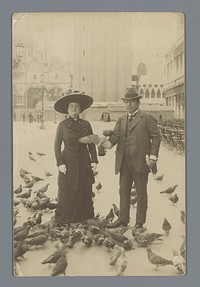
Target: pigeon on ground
157, 260
110, 215
22, 235
47, 173
30, 153
143, 240
36, 178
115, 210
18, 190
30, 184
60, 266
115, 254
121, 263
159, 177
26, 194
183, 249
16, 202
53, 258
179, 262
174, 199
166, 226
133, 200
24, 171
37, 240
117, 237
183, 216
169, 190
32, 158
99, 186
44, 188
20, 250
40, 154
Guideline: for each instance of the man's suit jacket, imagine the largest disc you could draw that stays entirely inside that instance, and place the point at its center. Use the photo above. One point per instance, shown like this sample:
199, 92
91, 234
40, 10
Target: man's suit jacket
143, 139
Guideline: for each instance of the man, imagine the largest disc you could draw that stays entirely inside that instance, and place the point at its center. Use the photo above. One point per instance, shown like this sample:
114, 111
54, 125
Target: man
138, 140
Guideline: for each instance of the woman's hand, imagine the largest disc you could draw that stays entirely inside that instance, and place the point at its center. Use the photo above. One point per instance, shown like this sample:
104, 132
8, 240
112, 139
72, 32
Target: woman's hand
62, 168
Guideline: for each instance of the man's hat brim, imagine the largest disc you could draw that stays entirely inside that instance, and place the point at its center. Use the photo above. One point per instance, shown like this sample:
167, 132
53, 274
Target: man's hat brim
62, 104
132, 98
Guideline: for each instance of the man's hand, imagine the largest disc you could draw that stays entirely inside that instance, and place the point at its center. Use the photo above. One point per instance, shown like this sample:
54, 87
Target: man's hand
62, 168
94, 166
152, 164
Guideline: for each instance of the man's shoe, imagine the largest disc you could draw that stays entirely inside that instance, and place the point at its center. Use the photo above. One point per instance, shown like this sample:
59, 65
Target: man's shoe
116, 224
138, 226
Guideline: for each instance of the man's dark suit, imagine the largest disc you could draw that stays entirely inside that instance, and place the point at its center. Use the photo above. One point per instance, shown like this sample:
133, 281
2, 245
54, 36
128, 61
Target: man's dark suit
135, 140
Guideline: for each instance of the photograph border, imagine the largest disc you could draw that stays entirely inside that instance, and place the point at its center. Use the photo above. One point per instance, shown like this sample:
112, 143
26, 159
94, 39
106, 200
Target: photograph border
191, 9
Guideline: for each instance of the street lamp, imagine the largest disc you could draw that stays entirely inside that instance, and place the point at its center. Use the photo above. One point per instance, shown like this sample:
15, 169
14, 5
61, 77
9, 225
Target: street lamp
42, 126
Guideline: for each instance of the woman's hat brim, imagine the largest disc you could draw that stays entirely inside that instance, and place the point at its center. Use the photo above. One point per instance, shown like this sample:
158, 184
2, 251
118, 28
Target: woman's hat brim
62, 104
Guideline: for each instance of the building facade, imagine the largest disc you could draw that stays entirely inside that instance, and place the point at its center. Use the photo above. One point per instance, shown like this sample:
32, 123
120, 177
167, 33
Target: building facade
36, 77
174, 90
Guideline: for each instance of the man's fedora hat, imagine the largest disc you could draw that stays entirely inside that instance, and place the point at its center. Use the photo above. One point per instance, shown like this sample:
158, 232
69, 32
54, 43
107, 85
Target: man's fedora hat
62, 104
131, 94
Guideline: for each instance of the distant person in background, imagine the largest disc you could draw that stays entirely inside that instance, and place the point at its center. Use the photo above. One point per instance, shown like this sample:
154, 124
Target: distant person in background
76, 162
30, 117
24, 117
14, 116
138, 140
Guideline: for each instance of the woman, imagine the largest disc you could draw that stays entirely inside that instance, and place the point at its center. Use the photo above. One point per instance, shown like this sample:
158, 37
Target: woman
76, 162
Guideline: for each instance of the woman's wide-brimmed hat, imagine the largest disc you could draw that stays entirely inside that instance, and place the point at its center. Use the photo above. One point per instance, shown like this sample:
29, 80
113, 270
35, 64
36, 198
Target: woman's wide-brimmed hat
131, 94
62, 104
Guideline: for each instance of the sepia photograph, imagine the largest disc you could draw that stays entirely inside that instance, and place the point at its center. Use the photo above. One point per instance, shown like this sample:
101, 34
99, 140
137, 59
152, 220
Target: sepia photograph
98, 138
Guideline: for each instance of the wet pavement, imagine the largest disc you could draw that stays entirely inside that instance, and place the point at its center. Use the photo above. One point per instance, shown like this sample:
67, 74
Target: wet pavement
94, 261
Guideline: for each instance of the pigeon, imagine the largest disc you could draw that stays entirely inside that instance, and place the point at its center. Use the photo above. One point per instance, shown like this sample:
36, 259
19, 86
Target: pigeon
37, 240
87, 240
144, 240
30, 153
159, 177
30, 184
40, 154
121, 263
21, 235
16, 202
157, 260
133, 192
32, 158
169, 190
99, 186
133, 200
115, 210
20, 250
179, 262
183, 216
60, 266
110, 215
47, 173
166, 226
115, 254
183, 249
24, 171
44, 188
53, 258
117, 237
26, 194
36, 178
174, 199
18, 190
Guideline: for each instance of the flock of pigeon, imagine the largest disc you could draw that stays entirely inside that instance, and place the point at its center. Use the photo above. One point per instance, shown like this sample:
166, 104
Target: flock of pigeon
35, 231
